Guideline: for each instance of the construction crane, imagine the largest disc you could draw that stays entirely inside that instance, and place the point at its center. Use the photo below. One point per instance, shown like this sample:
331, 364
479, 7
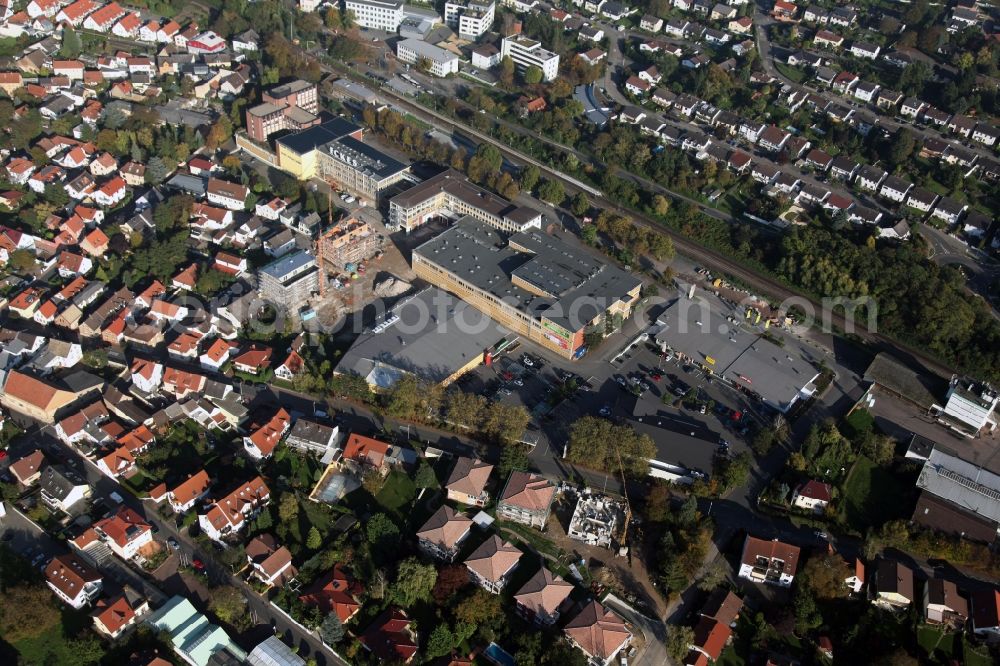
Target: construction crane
319, 244
628, 504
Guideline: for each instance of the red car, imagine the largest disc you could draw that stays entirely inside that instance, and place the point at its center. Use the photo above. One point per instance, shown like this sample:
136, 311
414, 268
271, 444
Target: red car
655, 376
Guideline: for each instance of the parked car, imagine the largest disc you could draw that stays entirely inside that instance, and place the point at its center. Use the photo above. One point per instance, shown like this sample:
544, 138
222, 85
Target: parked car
172, 543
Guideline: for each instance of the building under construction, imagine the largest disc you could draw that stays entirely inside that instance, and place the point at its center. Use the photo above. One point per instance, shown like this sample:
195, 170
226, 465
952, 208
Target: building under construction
598, 520
349, 241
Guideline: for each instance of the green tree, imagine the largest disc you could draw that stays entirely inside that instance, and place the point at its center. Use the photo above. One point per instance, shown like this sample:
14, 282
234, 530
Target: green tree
441, 641
552, 191
580, 205
414, 582
506, 72
660, 205
425, 477
678, 640
513, 457
288, 508
72, 45
332, 629
807, 615
529, 177
404, 397
825, 576
533, 75
381, 531
229, 605
314, 540
21, 261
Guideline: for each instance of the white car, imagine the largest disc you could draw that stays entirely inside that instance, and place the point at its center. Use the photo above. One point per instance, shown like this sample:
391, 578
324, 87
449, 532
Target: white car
349, 200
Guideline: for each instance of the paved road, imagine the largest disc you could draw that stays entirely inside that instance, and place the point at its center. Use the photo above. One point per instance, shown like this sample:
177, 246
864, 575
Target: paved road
309, 644
982, 271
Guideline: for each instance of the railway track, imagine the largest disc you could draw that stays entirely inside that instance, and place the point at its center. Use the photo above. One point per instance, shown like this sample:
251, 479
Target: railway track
711, 258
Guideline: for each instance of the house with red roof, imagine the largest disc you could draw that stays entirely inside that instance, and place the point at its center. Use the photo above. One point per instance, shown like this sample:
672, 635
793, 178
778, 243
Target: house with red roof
47, 8
217, 354
73, 580
126, 533
263, 439
72, 69
19, 169
104, 18
181, 383
128, 26
186, 494
290, 367
46, 313
366, 451
76, 12
147, 375
95, 243
229, 514
391, 637
112, 192
138, 440
230, 264
784, 11
119, 462
148, 32
186, 279
28, 469
113, 617
336, 592
254, 360
813, 496
270, 563
26, 303
71, 264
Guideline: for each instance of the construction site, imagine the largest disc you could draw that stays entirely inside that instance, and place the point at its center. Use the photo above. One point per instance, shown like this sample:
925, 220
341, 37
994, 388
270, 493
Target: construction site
598, 520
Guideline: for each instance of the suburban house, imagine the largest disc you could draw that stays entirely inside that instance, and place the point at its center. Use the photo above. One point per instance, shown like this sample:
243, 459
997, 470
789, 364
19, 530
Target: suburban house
184, 496
467, 482
526, 499
229, 514
812, 496
125, 533
73, 580
28, 469
270, 563
892, 587
443, 533
366, 451
62, 488
254, 360
944, 605
118, 462
263, 439
771, 562
226, 194
391, 637
491, 564
114, 617
308, 435
541, 599
599, 633
336, 592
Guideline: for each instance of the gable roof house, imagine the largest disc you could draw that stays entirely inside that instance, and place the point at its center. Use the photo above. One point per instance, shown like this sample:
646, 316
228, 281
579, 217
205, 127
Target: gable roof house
391, 637
28, 470
186, 494
113, 618
34, 398
270, 563
944, 605
893, 585
598, 632
771, 562
125, 532
467, 482
262, 441
229, 514
62, 488
73, 580
444, 533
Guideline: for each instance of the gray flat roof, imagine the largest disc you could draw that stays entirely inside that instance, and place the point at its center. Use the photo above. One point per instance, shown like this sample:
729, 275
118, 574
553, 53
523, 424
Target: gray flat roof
432, 335
288, 264
429, 51
963, 483
700, 330
580, 287
365, 158
679, 440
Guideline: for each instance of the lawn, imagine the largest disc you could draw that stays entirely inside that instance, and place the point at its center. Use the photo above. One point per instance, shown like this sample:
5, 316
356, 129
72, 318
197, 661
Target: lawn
730, 658
397, 493
933, 640
973, 656
872, 496
793, 73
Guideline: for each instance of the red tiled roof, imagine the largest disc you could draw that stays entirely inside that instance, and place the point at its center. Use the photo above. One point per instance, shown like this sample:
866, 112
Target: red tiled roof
365, 449
195, 486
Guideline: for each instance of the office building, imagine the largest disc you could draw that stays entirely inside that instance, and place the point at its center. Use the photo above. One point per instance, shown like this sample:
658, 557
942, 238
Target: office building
450, 194
376, 14
470, 18
363, 170
438, 62
538, 287
292, 106
526, 52
290, 281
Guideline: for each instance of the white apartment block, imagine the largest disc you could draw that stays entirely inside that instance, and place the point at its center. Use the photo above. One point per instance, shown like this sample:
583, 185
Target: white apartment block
376, 14
471, 18
527, 52
442, 63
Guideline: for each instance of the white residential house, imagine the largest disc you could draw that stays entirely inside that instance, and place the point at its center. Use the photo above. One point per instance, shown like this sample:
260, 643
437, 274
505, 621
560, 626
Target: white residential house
73, 580
865, 50
895, 189
812, 496
771, 562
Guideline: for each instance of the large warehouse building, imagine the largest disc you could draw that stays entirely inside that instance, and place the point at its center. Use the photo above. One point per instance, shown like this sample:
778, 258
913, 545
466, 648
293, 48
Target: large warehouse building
432, 335
540, 288
699, 330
